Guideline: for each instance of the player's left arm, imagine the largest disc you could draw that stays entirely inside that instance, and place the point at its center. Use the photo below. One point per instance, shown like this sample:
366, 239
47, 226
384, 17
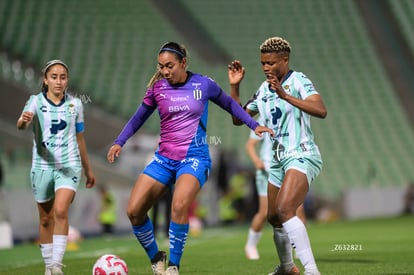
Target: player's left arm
90, 176
312, 105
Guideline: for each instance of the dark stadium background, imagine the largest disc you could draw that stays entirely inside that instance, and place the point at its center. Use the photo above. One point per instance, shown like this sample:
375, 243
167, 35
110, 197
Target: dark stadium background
359, 55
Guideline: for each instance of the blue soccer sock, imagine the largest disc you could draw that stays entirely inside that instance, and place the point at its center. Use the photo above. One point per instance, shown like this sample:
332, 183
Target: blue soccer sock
145, 236
178, 236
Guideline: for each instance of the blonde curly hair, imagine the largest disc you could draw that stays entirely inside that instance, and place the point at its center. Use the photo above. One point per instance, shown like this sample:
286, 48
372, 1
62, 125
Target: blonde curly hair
275, 45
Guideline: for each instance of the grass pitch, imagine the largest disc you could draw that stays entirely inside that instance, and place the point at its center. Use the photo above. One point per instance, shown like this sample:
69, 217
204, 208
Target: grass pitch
375, 246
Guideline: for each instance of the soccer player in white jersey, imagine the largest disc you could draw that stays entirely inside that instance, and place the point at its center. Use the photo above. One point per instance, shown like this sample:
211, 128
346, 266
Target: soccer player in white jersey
59, 153
286, 100
261, 162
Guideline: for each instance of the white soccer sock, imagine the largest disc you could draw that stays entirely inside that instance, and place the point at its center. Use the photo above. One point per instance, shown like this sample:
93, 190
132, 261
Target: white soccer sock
253, 237
299, 239
59, 248
283, 247
47, 253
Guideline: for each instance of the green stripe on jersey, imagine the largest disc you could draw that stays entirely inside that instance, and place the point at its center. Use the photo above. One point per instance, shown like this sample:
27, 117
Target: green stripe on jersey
292, 126
54, 128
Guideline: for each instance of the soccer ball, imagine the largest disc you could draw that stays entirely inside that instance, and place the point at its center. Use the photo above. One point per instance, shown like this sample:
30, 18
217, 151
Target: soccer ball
110, 265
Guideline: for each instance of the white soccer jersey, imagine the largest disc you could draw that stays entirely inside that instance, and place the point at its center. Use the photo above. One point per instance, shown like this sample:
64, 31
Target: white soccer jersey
292, 127
54, 131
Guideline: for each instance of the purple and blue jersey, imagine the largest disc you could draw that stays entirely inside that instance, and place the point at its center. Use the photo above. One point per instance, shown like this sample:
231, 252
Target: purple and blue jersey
183, 111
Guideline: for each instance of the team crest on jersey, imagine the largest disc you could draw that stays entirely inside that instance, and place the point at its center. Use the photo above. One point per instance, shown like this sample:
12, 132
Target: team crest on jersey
197, 93
286, 88
71, 109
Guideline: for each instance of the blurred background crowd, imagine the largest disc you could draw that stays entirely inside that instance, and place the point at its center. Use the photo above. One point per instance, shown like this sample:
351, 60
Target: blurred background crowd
359, 54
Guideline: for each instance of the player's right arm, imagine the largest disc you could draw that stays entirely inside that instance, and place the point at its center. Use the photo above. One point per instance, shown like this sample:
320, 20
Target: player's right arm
251, 149
113, 152
236, 75
28, 113
133, 125
24, 120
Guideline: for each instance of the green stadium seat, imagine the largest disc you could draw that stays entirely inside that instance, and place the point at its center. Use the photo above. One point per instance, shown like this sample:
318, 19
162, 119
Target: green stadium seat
111, 49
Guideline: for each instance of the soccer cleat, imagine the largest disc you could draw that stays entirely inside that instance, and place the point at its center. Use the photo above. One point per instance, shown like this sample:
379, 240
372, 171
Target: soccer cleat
56, 270
251, 252
312, 272
279, 270
172, 270
158, 263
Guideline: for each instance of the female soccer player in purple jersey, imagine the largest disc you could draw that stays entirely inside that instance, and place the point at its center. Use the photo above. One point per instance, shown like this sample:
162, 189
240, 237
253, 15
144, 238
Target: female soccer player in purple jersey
182, 158
286, 100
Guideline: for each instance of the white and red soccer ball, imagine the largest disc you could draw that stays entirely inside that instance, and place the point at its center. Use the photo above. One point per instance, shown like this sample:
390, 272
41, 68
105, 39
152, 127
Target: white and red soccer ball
110, 265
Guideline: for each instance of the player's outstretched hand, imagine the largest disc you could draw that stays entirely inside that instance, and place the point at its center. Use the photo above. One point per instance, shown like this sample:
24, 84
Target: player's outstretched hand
262, 129
113, 152
235, 72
